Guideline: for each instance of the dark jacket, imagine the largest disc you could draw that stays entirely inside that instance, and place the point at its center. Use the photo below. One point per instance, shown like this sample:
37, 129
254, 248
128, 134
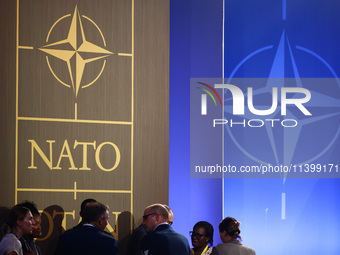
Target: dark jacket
86, 240
165, 241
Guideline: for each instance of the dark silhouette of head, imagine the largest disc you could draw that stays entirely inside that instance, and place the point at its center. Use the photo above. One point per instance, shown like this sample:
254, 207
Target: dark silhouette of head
231, 226
209, 230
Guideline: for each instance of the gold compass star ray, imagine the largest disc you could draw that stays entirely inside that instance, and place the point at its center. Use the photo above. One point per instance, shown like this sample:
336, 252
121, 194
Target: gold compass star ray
76, 27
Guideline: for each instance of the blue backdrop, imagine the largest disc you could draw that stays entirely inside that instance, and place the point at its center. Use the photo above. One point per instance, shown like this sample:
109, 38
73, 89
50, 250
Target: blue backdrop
195, 51
265, 38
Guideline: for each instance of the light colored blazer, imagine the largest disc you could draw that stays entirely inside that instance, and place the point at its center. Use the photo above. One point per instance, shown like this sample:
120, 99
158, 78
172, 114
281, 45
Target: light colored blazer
233, 247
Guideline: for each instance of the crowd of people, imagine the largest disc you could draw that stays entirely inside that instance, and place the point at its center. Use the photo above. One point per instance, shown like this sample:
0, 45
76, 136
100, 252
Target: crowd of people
155, 236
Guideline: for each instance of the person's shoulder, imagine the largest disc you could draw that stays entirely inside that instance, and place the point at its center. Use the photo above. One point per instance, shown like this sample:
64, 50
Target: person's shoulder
6, 237
249, 249
177, 238
179, 235
218, 246
75, 227
221, 246
166, 229
160, 230
96, 234
155, 236
83, 230
109, 242
162, 227
232, 246
106, 236
9, 238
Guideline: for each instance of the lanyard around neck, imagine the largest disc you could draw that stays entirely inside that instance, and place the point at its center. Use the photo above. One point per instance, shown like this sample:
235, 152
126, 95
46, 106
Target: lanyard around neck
205, 249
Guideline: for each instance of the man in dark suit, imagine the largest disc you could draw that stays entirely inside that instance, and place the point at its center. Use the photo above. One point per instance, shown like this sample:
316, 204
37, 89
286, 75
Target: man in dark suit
89, 239
135, 240
161, 238
82, 207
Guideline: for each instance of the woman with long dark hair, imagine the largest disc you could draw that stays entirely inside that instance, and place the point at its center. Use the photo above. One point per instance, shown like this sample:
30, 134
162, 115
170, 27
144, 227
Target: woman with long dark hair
230, 235
19, 222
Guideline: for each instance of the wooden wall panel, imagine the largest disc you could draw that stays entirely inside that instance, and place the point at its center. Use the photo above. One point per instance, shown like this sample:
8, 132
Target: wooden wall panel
7, 101
84, 109
152, 112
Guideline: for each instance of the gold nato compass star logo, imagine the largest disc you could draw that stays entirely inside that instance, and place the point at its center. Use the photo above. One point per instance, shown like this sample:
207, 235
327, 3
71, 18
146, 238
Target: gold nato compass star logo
76, 51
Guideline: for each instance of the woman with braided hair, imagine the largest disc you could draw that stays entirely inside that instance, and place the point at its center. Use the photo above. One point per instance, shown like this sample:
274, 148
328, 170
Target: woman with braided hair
230, 235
